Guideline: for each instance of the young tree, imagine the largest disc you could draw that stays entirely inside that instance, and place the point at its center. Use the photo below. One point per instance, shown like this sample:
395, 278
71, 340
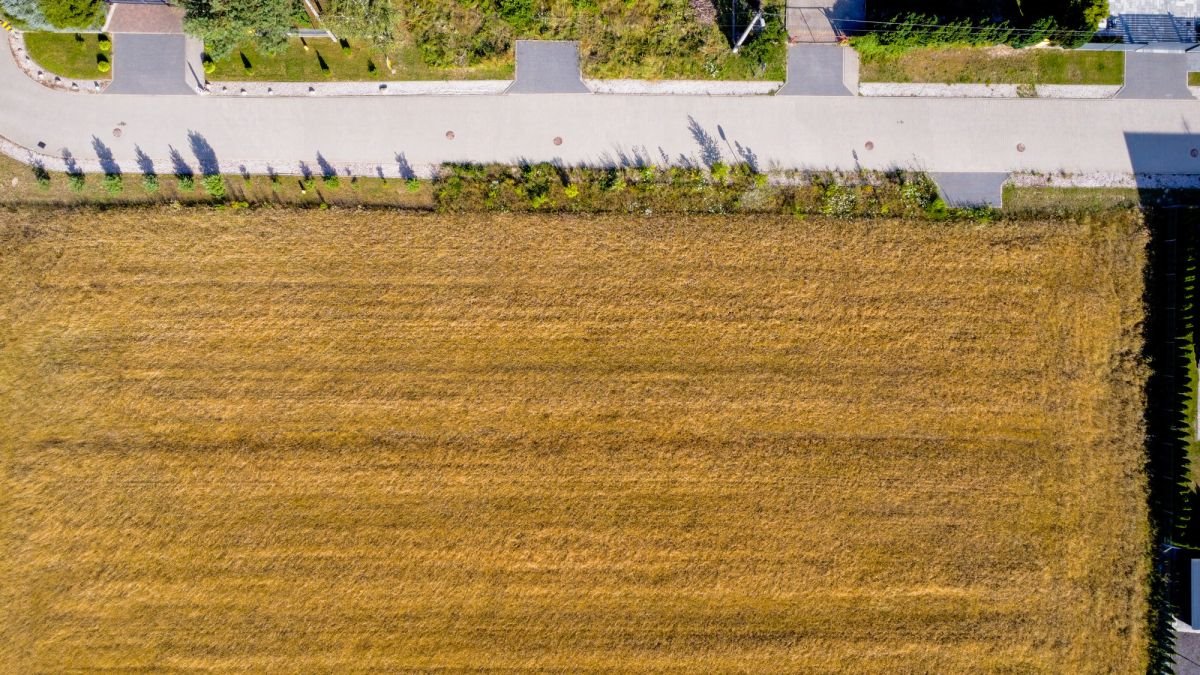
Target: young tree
370, 20
226, 24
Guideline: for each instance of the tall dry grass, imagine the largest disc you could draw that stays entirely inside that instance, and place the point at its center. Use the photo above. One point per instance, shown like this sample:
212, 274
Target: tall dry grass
344, 441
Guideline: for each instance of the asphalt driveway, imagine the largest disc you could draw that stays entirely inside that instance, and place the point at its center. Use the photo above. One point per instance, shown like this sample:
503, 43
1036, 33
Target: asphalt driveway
149, 64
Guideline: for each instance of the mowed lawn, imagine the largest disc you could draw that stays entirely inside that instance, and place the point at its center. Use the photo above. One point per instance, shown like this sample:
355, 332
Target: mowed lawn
335, 440
997, 65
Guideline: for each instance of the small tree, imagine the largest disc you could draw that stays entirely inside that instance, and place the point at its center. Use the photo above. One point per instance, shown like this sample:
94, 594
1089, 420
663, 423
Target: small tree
215, 186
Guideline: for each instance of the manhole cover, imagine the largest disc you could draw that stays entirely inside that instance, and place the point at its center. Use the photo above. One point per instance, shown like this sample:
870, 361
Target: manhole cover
870, 145
117, 132
449, 135
558, 140
1020, 147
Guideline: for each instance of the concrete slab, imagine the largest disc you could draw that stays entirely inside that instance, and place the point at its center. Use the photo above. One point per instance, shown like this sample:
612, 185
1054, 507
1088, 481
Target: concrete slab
967, 190
149, 18
149, 64
1155, 75
548, 67
817, 70
1187, 653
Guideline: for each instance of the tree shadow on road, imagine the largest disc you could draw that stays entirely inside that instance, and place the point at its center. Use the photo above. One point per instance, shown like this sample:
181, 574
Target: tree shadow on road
103, 153
205, 155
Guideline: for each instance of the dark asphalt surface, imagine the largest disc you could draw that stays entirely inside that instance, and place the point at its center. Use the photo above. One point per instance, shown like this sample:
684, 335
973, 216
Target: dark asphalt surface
1150, 75
548, 68
815, 70
149, 64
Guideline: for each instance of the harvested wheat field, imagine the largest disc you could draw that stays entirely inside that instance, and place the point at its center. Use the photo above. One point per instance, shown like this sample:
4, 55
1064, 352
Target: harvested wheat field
331, 441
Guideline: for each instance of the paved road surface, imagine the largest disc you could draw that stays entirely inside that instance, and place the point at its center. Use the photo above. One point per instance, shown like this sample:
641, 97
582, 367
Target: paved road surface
937, 135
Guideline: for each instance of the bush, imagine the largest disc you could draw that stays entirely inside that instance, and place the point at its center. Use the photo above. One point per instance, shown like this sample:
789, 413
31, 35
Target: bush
103, 65
150, 183
113, 184
103, 43
413, 185
331, 181
210, 66
41, 176
76, 181
72, 13
185, 183
215, 186
224, 24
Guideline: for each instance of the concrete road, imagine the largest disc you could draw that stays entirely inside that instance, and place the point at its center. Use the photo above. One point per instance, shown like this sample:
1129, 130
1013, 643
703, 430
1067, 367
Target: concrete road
937, 135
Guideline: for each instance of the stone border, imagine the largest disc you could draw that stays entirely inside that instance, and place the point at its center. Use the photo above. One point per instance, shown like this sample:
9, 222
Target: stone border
684, 87
41, 75
361, 88
1077, 91
1173, 181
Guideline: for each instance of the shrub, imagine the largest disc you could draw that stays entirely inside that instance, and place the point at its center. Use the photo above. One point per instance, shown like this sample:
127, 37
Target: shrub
41, 176
150, 183
104, 44
223, 24
215, 186
308, 184
838, 201
210, 66
571, 192
76, 181
331, 181
103, 65
72, 13
186, 183
113, 184
413, 185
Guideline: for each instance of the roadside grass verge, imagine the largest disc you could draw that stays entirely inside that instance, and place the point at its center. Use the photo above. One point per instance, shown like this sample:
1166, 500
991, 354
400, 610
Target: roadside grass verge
56, 188
315, 60
995, 65
75, 56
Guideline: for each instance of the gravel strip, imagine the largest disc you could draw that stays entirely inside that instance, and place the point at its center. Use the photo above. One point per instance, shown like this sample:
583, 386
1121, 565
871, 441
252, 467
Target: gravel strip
682, 87
398, 88
1106, 180
985, 90
16, 42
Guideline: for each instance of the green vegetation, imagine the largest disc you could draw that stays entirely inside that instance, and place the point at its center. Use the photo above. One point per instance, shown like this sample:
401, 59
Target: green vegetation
993, 66
225, 24
40, 14
1194, 79
76, 56
647, 39
649, 189
314, 60
445, 39
913, 23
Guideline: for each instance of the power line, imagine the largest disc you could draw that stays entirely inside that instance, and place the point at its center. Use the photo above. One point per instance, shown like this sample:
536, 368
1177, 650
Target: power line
968, 27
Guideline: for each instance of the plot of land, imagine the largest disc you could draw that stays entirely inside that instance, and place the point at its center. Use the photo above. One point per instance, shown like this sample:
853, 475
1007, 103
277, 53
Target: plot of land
71, 55
336, 441
997, 65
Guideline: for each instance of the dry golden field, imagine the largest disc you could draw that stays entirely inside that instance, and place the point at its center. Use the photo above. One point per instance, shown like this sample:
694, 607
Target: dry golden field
331, 441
